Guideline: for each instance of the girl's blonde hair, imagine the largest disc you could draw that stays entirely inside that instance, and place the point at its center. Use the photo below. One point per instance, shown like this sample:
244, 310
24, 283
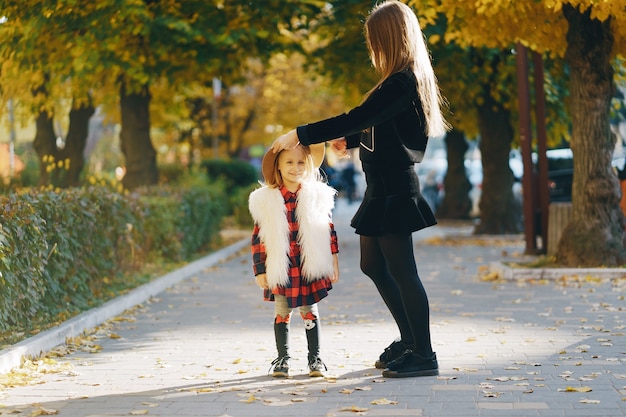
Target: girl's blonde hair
395, 42
311, 173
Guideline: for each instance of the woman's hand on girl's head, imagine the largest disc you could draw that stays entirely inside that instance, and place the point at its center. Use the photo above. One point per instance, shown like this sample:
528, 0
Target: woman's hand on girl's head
287, 141
261, 281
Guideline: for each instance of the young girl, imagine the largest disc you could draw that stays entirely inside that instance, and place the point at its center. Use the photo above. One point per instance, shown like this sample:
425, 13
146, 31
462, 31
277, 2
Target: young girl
391, 128
294, 246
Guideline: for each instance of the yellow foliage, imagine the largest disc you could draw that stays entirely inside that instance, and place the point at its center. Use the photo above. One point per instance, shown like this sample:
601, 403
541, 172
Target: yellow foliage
540, 25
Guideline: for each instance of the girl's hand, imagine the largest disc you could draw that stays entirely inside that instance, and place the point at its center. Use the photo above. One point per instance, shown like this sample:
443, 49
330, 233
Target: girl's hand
340, 148
335, 276
261, 281
287, 141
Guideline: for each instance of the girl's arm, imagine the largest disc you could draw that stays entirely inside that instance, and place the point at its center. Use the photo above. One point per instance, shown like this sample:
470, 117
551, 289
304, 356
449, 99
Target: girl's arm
258, 252
335, 276
334, 249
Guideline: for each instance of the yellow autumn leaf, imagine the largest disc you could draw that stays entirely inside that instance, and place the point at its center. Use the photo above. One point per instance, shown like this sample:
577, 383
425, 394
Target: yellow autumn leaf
42, 411
250, 399
576, 389
354, 409
490, 276
383, 401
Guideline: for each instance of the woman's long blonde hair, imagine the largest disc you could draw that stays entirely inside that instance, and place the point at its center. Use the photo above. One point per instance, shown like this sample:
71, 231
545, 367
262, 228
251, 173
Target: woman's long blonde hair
395, 42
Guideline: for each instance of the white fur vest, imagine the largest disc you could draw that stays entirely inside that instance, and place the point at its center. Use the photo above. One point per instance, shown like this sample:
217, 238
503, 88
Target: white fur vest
314, 203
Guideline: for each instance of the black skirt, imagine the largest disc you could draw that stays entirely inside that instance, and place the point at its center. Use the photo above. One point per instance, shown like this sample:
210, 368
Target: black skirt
392, 204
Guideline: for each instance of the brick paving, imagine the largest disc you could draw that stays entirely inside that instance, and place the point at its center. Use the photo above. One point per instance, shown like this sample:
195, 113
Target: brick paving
203, 347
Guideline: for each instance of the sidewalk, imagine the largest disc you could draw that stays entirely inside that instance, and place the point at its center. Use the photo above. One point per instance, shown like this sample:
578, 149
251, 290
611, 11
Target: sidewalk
203, 347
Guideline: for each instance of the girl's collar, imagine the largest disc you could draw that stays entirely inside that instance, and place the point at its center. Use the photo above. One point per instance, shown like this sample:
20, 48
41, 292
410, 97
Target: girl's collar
285, 192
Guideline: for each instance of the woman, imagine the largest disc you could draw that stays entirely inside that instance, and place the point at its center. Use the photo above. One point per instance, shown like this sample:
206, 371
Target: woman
391, 127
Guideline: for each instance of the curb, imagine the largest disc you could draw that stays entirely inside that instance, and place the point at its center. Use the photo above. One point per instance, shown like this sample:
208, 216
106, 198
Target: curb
12, 357
509, 273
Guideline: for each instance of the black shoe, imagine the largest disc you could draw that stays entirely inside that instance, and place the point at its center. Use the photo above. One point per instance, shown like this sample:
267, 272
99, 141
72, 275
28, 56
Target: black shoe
412, 364
392, 352
315, 367
281, 367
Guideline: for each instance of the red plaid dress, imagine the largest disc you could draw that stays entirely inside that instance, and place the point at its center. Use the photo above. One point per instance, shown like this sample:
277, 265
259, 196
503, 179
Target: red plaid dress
298, 291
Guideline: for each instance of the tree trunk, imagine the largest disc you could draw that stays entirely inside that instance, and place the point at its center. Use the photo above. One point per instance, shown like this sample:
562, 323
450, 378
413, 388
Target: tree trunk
135, 142
45, 146
456, 203
595, 235
235, 144
500, 212
75, 143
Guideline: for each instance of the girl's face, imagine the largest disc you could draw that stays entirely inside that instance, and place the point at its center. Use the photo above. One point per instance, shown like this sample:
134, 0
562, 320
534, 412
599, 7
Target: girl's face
292, 166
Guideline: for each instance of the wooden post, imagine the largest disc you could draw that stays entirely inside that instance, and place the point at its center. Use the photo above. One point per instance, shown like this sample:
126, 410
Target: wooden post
526, 145
542, 160
560, 214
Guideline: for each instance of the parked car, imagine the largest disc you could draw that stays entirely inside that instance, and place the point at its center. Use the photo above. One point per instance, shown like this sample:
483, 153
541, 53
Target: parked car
561, 172
432, 172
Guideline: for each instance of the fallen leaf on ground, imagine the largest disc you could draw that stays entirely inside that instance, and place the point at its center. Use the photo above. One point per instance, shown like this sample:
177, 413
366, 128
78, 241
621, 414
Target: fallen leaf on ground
588, 401
576, 389
492, 394
383, 401
250, 399
42, 411
354, 409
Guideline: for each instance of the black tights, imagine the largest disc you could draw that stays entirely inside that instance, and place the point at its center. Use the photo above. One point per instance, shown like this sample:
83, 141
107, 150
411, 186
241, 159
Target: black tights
389, 261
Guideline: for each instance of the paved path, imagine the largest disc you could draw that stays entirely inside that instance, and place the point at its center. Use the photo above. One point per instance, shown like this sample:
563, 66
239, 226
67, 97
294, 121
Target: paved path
204, 346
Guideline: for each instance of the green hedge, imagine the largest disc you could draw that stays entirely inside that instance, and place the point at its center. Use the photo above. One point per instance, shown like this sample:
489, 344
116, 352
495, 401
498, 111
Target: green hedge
235, 173
58, 249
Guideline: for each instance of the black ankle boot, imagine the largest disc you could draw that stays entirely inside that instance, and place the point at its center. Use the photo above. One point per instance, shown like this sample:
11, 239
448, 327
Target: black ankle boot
391, 353
412, 364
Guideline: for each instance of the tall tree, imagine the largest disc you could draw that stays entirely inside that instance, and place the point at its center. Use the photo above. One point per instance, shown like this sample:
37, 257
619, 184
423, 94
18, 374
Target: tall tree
596, 231
37, 73
124, 46
589, 34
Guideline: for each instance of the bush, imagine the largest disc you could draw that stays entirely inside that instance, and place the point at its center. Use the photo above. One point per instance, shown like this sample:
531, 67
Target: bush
23, 256
59, 250
171, 173
235, 173
239, 205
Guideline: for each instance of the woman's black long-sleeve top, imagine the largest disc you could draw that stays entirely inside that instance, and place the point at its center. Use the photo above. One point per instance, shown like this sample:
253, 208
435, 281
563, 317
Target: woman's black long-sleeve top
389, 127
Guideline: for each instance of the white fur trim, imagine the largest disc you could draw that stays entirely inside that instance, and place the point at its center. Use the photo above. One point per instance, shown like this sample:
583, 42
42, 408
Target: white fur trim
313, 211
315, 202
